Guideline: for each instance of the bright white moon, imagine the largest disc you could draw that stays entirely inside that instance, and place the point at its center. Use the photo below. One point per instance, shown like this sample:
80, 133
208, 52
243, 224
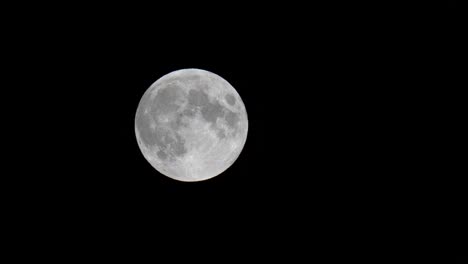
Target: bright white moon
191, 125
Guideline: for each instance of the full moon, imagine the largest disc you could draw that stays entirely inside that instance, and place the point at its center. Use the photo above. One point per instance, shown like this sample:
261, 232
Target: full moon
191, 125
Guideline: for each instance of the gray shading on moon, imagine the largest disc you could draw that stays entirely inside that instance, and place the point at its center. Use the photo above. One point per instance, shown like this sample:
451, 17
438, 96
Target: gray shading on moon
191, 125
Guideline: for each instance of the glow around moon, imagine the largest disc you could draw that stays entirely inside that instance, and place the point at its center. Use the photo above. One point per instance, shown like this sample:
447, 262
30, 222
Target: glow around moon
191, 125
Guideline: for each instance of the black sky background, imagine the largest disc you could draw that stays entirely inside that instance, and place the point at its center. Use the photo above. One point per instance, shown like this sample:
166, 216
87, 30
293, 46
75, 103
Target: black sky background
336, 97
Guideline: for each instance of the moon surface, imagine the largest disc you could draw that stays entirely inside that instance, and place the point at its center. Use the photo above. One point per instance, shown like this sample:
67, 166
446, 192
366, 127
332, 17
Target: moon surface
191, 125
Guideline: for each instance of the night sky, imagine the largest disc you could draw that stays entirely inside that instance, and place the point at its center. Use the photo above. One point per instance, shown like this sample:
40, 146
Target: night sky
338, 97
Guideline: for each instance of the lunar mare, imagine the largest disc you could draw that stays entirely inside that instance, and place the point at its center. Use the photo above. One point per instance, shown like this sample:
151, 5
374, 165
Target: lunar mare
191, 125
